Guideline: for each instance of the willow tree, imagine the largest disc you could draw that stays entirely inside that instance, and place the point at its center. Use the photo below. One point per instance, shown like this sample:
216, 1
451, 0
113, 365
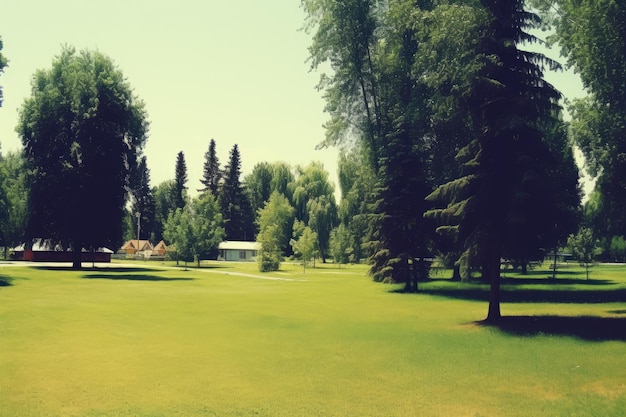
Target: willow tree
505, 167
83, 130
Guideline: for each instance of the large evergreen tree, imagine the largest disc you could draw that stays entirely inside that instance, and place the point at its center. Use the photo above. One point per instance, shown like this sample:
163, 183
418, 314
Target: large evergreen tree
180, 179
211, 172
234, 202
82, 131
505, 168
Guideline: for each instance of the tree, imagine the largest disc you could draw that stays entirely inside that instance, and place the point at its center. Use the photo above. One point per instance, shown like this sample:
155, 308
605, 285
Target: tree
180, 179
211, 173
144, 203
341, 244
282, 178
14, 190
618, 248
259, 185
584, 247
314, 202
234, 202
305, 245
505, 173
82, 131
270, 254
196, 229
592, 37
3, 64
279, 214
164, 204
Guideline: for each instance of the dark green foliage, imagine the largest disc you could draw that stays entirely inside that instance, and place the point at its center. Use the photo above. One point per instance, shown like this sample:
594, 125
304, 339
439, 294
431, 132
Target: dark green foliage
592, 37
211, 172
165, 203
234, 203
180, 179
82, 131
14, 191
259, 185
502, 203
143, 202
196, 230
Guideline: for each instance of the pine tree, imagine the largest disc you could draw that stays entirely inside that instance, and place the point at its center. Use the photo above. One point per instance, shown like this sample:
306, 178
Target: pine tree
143, 201
234, 202
504, 173
211, 173
180, 179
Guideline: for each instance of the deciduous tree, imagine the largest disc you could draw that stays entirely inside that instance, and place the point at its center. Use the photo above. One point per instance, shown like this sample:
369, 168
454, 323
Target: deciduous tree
82, 130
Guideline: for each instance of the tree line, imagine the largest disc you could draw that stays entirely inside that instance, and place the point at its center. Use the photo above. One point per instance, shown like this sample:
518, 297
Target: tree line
445, 112
453, 145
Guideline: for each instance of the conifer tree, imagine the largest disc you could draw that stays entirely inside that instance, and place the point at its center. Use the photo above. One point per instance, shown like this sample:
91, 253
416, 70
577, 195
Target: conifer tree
234, 202
180, 179
505, 168
211, 172
143, 201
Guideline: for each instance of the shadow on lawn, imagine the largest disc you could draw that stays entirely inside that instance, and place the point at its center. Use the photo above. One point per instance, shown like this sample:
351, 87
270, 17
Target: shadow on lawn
510, 293
138, 277
5, 281
113, 269
583, 327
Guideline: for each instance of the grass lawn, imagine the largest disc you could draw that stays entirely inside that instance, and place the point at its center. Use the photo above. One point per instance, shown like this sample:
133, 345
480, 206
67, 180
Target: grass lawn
219, 341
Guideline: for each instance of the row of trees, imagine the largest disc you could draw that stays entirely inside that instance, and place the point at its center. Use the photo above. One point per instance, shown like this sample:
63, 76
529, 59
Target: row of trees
453, 143
268, 202
458, 140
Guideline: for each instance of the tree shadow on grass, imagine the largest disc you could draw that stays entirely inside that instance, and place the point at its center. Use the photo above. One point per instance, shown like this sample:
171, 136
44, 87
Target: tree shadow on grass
598, 329
5, 281
134, 277
113, 269
511, 293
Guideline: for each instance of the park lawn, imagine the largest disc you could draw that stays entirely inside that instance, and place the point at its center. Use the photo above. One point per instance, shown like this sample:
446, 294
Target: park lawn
220, 341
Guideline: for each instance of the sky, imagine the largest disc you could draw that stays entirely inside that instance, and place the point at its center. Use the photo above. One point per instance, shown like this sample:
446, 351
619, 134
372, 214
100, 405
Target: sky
232, 70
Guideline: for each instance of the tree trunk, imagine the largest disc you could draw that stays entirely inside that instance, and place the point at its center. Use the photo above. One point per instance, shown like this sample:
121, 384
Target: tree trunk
493, 266
77, 258
456, 272
554, 264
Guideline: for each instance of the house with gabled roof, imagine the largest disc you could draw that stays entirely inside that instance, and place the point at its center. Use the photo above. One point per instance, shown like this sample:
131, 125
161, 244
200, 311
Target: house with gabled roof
133, 246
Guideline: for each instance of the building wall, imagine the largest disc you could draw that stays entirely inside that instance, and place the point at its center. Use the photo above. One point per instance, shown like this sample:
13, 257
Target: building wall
238, 255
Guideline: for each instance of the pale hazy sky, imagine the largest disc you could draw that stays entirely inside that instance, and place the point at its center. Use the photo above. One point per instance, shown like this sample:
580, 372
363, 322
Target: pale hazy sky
232, 70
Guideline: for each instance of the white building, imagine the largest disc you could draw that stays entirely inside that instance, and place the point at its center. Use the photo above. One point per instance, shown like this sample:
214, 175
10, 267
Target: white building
232, 250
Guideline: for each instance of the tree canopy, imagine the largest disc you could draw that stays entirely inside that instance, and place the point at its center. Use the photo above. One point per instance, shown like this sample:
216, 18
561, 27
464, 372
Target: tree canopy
82, 130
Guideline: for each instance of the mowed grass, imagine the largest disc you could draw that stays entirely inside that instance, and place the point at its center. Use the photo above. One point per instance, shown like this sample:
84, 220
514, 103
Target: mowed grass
221, 341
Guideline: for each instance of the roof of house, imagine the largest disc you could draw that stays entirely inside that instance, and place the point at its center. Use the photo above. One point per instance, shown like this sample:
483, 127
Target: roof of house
141, 245
160, 245
239, 245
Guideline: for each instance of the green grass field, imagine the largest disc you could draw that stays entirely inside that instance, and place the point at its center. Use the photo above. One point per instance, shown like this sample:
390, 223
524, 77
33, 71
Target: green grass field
219, 341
